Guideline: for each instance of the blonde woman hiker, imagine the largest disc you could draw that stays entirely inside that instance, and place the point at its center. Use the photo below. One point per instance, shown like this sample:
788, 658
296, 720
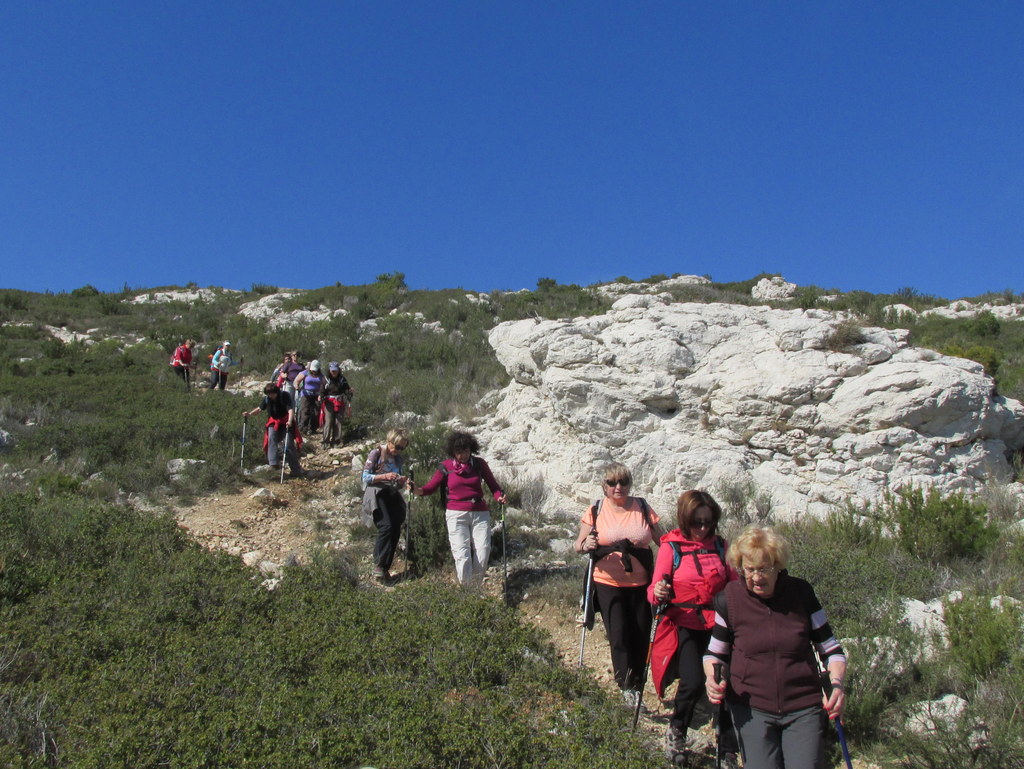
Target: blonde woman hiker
383, 503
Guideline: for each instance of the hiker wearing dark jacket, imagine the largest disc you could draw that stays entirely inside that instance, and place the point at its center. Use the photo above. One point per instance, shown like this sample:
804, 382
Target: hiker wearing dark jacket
466, 511
689, 571
768, 627
620, 538
337, 397
280, 427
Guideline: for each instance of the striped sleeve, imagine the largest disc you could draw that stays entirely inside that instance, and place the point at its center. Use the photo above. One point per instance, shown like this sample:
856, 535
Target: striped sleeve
720, 646
822, 637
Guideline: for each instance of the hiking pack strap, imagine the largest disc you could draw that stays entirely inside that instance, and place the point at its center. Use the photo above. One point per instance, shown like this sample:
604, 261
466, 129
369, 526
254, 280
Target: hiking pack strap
677, 554
444, 483
645, 511
688, 605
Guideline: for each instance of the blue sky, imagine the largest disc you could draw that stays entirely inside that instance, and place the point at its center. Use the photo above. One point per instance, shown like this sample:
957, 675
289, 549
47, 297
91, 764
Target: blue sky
484, 145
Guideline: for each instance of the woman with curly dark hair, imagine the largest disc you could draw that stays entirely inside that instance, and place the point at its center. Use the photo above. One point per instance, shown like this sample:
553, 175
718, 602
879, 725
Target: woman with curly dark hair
466, 511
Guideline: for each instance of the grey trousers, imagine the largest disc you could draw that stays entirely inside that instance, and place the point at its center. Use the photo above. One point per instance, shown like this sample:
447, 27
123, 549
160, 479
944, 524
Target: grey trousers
788, 741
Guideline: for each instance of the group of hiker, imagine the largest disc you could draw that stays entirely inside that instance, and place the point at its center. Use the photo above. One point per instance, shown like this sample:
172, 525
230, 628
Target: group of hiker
306, 399
184, 363
460, 479
727, 621
300, 399
324, 397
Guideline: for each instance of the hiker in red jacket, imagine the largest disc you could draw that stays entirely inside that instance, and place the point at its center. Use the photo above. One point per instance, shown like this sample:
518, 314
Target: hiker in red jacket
689, 571
182, 361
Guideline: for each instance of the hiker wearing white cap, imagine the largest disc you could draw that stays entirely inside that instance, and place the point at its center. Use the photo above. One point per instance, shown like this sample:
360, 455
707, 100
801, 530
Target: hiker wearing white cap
220, 364
308, 384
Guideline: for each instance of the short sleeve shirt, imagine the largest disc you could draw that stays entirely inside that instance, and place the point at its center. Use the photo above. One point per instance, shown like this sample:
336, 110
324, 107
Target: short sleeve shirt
613, 526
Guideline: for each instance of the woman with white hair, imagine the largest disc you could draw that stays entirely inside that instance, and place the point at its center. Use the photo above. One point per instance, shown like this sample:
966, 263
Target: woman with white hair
768, 628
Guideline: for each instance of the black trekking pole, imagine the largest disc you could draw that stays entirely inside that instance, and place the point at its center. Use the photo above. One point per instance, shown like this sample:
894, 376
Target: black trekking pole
588, 590
188, 381
658, 611
718, 726
504, 558
245, 425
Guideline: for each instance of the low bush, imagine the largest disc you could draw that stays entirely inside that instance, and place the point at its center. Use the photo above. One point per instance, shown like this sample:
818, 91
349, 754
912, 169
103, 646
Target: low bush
932, 527
983, 635
134, 647
846, 335
859, 574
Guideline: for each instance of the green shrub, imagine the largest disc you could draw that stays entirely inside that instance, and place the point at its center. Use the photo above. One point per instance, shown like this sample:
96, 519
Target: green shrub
860, 575
933, 527
983, 637
845, 336
146, 649
986, 356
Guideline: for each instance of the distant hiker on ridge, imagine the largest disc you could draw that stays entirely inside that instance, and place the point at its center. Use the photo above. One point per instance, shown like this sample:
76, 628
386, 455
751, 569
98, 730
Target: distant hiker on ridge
182, 362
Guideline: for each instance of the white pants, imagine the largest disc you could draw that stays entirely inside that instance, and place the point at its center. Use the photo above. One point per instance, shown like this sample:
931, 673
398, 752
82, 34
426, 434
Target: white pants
469, 533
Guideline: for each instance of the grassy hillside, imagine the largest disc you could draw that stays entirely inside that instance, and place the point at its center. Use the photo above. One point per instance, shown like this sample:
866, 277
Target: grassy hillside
124, 644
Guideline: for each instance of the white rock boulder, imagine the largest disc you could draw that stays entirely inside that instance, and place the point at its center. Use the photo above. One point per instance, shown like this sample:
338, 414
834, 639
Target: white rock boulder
704, 395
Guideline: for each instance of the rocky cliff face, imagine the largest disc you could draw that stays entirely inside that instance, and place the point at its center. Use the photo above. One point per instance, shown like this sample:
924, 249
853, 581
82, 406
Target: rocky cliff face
703, 395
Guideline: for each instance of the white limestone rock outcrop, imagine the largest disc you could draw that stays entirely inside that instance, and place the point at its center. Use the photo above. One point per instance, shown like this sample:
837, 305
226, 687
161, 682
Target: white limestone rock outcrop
186, 295
773, 289
269, 309
615, 290
704, 395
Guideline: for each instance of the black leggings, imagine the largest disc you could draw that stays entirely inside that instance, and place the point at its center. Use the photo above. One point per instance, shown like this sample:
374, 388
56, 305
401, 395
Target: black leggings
690, 669
627, 620
388, 518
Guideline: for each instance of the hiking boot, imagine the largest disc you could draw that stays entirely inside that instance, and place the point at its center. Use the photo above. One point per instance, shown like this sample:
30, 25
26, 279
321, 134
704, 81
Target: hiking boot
675, 745
380, 574
632, 697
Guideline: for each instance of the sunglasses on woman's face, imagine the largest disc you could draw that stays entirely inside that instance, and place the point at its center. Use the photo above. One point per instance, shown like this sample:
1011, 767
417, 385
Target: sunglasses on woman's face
613, 484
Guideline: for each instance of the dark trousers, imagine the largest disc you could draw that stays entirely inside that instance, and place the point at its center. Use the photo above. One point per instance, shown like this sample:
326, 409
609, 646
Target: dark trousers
388, 518
627, 620
309, 415
778, 741
218, 379
690, 669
